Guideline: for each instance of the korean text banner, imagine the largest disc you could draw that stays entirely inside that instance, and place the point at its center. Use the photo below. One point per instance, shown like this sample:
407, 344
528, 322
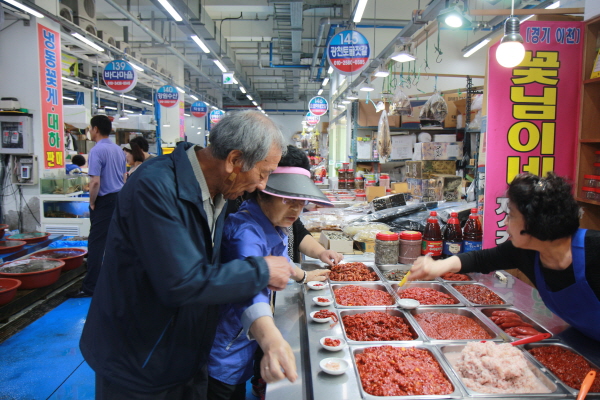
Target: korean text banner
533, 115
51, 97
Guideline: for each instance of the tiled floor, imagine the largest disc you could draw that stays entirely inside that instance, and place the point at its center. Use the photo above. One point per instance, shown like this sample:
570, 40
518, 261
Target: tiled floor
43, 360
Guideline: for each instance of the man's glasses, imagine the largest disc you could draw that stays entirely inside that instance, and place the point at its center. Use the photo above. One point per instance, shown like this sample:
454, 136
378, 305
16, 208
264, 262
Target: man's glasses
294, 202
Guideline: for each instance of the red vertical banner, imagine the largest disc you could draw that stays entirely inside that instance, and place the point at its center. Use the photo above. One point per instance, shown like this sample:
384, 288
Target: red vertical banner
533, 115
51, 97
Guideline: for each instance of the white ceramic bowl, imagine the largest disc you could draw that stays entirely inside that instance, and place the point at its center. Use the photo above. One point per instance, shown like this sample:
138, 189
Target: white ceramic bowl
319, 320
334, 366
316, 285
333, 348
409, 304
323, 303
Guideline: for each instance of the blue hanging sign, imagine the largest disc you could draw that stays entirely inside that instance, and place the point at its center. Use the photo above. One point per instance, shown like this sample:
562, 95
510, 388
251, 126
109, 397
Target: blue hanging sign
120, 76
312, 119
199, 109
167, 96
318, 106
216, 116
348, 52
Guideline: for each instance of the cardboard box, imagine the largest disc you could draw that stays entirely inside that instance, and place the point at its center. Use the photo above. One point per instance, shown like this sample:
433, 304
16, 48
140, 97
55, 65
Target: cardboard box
400, 187
444, 137
425, 169
402, 146
366, 247
374, 191
447, 187
451, 98
461, 106
344, 246
414, 118
422, 187
367, 116
438, 151
389, 201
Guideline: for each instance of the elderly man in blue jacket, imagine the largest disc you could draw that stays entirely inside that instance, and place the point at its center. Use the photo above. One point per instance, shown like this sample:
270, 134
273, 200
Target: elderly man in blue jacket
154, 313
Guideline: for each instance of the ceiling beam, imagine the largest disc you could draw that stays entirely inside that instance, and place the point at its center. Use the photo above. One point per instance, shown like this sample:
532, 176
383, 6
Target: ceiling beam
528, 11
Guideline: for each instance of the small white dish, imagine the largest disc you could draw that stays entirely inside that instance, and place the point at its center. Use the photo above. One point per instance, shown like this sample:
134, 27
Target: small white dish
323, 303
334, 366
409, 304
316, 285
319, 320
333, 348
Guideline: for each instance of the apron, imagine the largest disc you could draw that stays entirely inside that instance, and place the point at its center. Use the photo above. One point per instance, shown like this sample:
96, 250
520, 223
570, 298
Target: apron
576, 304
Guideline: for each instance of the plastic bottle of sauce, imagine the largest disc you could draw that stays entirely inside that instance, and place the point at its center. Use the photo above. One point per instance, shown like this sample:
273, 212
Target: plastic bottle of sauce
453, 238
472, 233
432, 237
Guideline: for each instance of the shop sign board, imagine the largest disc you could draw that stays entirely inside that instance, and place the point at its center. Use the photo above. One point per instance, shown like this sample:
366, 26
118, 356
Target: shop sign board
181, 119
348, 52
216, 116
199, 109
167, 96
533, 114
312, 119
51, 97
318, 106
119, 76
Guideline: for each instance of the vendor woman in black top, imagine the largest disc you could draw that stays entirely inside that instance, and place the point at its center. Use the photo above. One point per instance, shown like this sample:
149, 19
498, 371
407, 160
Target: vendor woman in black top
547, 245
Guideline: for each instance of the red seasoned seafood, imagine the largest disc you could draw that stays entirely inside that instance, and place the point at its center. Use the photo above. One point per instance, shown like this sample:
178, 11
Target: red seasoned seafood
353, 295
331, 342
322, 299
401, 371
327, 314
512, 324
571, 368
427, 296
451, 276
479, 294
352, 272
449, 326
376, 326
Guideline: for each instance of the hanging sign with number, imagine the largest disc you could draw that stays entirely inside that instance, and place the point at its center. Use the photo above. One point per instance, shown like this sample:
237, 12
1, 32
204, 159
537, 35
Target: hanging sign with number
216, 116
167, 96
312, 119
318, 106
119, 76
348, 52
199, 109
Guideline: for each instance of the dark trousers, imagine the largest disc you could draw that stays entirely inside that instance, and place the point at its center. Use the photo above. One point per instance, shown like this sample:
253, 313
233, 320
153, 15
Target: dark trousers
218, 390
100, 218
194, 389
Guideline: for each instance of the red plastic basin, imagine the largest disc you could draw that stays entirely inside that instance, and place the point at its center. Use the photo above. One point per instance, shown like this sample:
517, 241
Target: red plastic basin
72, 257
8, 289
10, 246
33, 273
30, 237
2, 228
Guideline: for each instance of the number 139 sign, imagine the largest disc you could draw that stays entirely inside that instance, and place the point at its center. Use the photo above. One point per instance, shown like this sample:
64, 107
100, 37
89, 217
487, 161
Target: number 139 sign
348, 52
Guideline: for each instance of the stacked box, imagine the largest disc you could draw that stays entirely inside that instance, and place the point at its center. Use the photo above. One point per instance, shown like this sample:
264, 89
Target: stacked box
389, 201
425, 169
422, 190
438, 151
447, 187
337, 241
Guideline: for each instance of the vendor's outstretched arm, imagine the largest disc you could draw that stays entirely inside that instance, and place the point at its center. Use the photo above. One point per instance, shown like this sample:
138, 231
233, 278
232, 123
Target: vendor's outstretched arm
426, 268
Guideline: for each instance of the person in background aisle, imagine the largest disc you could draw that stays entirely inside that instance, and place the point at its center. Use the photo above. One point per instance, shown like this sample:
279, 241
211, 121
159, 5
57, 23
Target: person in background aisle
260, 228
154, 314
77, 161
143, 143
134, 156
547, 245
107, 171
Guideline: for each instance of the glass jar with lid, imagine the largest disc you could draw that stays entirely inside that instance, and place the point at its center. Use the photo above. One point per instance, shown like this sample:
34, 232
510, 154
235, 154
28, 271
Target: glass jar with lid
359, 183
589, 192
386, 248
590, 181
410, 246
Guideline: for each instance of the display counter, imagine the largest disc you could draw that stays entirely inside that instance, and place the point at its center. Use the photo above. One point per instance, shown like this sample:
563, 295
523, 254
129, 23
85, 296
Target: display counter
294, 304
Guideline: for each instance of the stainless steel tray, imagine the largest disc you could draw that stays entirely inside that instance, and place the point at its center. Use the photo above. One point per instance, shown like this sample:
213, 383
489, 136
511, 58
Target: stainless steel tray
433, 285
488, 313
470, 303
456, 394
376, 286
556, 390
543, 367
387, 267
417, 334
370, 266
465, 312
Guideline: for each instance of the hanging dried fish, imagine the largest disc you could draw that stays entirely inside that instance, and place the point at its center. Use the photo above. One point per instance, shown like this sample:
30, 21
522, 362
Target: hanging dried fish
400, 104
384, 139
435, 108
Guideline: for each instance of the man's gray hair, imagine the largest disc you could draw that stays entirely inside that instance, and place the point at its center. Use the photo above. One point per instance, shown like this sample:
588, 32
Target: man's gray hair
250, 132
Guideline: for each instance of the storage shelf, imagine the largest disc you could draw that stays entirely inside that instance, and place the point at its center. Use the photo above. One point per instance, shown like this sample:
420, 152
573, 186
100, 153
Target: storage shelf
588, 201
594, 81
376, 161
592, 141
396, 129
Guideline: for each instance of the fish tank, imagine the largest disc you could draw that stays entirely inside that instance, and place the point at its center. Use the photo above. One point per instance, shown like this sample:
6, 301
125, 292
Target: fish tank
66, 209
65, 185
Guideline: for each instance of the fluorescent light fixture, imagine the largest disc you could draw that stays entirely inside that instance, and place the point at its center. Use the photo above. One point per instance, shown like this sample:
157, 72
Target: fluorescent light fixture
167, 125
352, 96
478, 46
128, 111
381, 72
320, 92
171, 10
342, 81
553, 6
367, 88
187, 115
330, 70
87, 41
180, 90
123, 118
193, 97
214, 108
70, 80
147, 102
325, 81
360, 9
242, 89
221, 67
255, 103
401, 55
68, 98
103, 90
110, 108
249, 97
235, 82
346, 101
128, 97
200, 43
527, 18
259, 108
24, 8
136, 66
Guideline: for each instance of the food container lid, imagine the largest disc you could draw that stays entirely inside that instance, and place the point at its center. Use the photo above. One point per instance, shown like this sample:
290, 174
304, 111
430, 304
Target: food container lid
411, 235
387, 236
596, 177
589, 177
587, 189
358, 179
597, 152
350, 170
341, 170
371, 181
361, 195
597, 190
596, 164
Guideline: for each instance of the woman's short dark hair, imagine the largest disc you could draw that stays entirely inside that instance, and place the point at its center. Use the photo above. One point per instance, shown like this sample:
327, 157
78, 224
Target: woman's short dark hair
549, 210
295, 157
78, 159
136, 152
142, 142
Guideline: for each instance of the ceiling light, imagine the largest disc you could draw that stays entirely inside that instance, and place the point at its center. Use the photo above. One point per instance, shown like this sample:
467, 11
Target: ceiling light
381, 72
359, 10
221, 67
187, 115
402, 55
136, 66
511, 51
320, 92
87, 41
242, 89
214, 108
166, 125
477, 46
235, 82
342, 81
249, 97
68, 98
171, 10
123, 117
330, 70
102, 89
128, 111
367, 88
180, 90
325, 81
128, 97
454, 17
553, 6
70, 80
346, 101
255, 103
259, 108
147, 102
24, 8
110, 108
200, 43
193, 97
352, 96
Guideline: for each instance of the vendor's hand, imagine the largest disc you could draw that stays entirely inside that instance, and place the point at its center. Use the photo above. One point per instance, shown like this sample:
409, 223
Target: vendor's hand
278, 361
426, 268
317, 275
331, 257
280, 271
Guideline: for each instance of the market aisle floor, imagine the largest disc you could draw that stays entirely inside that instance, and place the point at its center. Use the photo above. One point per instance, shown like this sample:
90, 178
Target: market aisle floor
43, 361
